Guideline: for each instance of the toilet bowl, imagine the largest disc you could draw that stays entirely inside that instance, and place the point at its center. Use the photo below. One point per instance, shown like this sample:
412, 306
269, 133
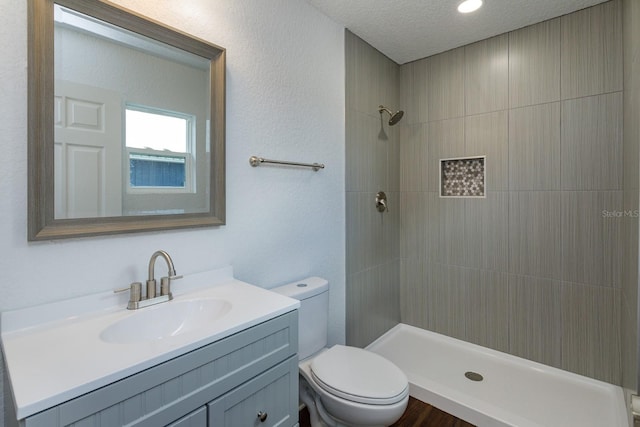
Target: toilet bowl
356, 387
341, 385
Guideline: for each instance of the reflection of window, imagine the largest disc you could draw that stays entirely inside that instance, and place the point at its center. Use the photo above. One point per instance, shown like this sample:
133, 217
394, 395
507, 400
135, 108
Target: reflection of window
156, 171
159, 146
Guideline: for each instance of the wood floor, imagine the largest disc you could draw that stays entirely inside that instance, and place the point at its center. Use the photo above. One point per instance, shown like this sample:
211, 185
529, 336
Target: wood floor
422, 414
418, 414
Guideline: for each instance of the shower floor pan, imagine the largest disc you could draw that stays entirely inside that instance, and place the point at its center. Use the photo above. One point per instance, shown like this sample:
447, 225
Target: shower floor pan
498, 389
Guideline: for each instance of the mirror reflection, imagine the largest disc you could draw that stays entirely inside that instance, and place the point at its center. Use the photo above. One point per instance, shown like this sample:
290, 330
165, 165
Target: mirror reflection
131, 123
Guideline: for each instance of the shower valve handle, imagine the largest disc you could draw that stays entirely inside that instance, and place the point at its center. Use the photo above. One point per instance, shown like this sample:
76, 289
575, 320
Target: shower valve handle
381, 202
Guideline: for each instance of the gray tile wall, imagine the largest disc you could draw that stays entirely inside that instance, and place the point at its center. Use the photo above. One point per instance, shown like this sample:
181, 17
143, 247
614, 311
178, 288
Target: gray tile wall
630, 185
535, 269
591, 46
372, 165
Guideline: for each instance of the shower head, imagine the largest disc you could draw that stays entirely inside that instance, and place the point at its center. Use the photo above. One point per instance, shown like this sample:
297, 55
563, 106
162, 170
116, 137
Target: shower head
395, 117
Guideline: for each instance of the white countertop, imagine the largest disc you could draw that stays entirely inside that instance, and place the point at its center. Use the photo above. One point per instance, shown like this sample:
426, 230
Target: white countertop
54, 353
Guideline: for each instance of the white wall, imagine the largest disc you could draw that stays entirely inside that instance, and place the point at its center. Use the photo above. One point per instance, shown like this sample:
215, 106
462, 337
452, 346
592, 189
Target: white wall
285, 100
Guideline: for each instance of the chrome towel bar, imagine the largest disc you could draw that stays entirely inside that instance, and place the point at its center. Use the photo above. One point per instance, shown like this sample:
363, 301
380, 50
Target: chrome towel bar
257, 161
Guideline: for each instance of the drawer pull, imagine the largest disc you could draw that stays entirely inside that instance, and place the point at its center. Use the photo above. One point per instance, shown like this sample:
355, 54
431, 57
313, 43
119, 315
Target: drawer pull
262, 416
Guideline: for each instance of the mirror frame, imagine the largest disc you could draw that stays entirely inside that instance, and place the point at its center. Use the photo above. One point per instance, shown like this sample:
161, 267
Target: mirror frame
42, 224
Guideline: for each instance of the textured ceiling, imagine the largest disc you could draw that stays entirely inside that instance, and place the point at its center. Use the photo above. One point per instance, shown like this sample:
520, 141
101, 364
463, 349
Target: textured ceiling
406, 30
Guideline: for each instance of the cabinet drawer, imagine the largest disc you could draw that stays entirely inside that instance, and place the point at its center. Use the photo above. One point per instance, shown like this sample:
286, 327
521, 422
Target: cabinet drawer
273, 393
195, 419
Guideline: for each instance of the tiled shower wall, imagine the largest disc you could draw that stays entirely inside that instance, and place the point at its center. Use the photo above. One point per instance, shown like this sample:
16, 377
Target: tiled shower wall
536, 268
631, 187
372, 165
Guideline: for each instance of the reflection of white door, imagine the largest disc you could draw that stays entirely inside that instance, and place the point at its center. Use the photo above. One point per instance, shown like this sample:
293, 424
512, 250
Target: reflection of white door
88, 151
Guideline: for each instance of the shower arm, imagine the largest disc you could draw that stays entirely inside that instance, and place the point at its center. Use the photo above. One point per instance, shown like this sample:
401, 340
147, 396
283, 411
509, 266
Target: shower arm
382, 108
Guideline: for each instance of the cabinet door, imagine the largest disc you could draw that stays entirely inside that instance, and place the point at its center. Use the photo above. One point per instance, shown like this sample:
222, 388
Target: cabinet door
270, 399
197, 418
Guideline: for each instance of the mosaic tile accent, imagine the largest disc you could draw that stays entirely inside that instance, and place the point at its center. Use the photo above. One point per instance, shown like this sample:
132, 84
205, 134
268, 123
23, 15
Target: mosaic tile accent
462, 177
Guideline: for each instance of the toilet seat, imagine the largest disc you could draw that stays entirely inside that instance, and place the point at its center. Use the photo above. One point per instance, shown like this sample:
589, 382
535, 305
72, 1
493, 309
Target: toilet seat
359, 376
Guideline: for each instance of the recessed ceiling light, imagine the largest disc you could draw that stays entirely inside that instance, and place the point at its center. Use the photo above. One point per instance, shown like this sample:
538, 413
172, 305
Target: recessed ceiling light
469, 6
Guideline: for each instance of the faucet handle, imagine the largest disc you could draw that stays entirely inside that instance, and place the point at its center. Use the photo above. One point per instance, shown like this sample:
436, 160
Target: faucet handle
135, 288
165, 284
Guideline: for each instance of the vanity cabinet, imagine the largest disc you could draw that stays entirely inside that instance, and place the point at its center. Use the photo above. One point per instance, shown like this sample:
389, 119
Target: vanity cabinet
226, 383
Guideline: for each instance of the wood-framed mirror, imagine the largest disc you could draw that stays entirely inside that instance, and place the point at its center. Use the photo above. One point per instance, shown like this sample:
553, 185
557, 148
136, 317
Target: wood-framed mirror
126, 123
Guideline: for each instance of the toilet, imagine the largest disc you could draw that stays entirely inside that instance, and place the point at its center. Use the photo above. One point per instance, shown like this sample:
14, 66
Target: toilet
341, 385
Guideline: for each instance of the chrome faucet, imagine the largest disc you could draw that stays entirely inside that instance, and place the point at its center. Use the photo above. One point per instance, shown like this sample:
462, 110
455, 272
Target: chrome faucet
135, 298
165, 282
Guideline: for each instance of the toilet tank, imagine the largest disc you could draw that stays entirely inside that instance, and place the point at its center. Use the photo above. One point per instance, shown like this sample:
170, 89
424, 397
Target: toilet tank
313, 314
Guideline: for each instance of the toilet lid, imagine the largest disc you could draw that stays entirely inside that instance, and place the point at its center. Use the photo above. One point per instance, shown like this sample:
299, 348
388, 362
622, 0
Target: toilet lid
359, 375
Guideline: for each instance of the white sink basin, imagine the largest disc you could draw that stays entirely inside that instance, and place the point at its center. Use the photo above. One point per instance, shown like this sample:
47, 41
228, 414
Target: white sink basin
166, 320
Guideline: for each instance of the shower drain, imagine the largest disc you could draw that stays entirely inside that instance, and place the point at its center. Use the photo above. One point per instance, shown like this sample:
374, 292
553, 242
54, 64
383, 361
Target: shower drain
473, 376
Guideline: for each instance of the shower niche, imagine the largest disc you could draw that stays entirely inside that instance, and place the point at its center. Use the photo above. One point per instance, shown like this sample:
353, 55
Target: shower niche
463, 177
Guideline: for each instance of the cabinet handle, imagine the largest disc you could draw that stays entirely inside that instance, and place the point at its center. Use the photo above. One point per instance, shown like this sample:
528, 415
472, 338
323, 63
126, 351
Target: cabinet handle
262, 416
